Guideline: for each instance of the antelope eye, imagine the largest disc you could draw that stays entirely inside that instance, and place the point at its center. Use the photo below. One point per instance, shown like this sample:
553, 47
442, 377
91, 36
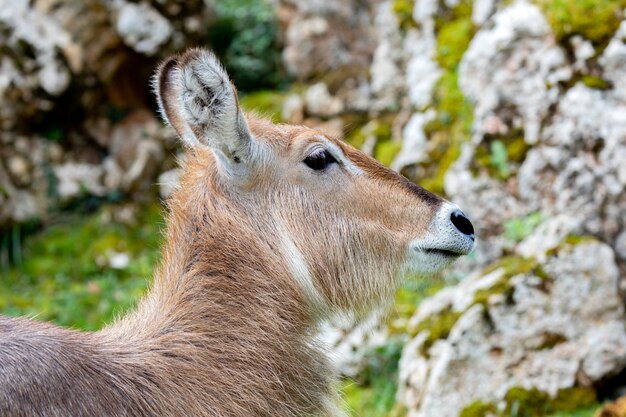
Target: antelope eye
319, 159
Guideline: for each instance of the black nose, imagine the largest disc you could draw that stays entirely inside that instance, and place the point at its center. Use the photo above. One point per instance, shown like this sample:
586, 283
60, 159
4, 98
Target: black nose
462, 223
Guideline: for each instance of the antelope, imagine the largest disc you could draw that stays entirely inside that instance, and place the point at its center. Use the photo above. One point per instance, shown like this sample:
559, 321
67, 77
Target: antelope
274, 230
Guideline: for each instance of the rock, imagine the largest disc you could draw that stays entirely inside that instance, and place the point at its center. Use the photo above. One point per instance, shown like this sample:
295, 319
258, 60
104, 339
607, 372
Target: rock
414, 146
613, 61
19, 169
142, 27
513, 64
386, 70
620, 245
168, 182
293, 109
548, 328
319, 102
22, 75
325, 35
548, 236
422, 72
482, 10
332, 127
136, 151
75, 179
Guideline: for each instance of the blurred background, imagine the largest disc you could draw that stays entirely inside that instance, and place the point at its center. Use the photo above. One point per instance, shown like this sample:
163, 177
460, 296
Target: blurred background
515, 110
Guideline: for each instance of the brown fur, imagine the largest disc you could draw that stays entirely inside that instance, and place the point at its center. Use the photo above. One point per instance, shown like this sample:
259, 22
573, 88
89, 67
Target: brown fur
226, 330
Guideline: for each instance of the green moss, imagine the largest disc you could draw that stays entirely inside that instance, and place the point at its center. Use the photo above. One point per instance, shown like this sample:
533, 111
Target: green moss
519, 228
267, 103
578, 240
595, 20
386, 147
479, 409
570, 241
521, 402
501, 287
452, 125
385, 152
590, 411
597, 83
408, 299
575, 398
404, 10
438, 327
513, 265
453, 40
534, 403
501, 155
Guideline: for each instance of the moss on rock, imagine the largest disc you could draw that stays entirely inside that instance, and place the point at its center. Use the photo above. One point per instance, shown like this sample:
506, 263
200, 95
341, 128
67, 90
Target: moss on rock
500, 155
404, 10
595, 20
522, 402
438, 327
479, 409
595, 82
453, 123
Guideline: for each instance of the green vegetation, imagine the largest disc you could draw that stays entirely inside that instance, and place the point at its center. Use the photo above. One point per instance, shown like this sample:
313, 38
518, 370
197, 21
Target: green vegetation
516, 265
595, 20
245, 37
438, 327
266, 103
519, 228
453, 123
373, 392
386, 146
404, 11
521, 402
479, 409
597, 83
68, 273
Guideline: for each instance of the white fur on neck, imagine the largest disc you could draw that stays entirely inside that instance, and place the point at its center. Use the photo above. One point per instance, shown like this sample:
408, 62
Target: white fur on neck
301, 273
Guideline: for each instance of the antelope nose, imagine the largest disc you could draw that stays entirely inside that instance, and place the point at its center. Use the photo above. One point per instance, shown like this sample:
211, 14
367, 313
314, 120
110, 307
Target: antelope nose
462, 223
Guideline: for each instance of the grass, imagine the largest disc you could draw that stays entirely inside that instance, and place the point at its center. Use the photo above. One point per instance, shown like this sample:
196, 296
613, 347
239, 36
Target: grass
68, 274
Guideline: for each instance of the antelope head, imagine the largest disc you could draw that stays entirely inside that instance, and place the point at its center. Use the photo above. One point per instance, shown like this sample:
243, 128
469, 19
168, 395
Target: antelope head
346, 227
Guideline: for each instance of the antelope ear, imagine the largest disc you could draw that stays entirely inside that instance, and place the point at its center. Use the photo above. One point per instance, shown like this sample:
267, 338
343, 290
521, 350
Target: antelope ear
199, 101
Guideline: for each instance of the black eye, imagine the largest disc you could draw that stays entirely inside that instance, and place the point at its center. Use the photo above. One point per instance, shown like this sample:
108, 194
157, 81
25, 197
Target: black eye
319, 159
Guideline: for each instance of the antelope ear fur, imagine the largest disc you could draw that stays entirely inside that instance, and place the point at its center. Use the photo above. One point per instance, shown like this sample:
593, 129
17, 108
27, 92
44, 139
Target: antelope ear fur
197, 98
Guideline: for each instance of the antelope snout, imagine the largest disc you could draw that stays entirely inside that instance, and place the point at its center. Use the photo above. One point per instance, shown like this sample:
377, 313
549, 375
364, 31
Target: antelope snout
453, 231
450, 235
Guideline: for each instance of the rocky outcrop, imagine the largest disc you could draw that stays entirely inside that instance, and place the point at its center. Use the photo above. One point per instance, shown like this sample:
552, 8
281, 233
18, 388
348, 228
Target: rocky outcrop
549, 327
75, 105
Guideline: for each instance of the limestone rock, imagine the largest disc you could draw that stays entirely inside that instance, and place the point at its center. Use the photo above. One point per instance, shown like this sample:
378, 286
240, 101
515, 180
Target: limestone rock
547, 328
512, 64
325, 35
142, 27
319, 102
